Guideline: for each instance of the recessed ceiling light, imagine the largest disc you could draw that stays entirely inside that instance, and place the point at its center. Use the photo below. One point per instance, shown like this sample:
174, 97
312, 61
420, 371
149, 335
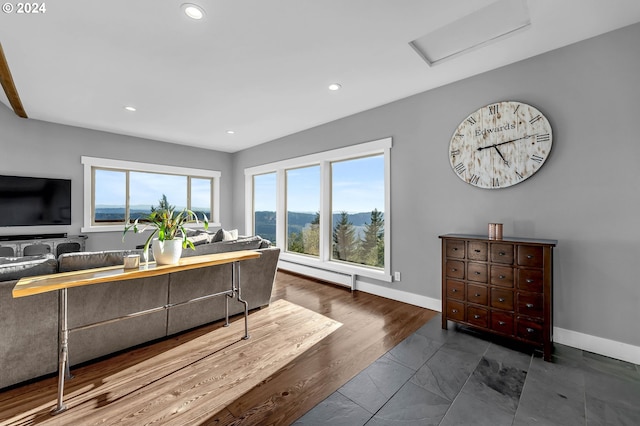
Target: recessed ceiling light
130, 108
193, 11
335, 86
230, 132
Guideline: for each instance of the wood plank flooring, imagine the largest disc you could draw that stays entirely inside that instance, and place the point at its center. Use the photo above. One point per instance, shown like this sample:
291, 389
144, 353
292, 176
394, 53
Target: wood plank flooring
174, 381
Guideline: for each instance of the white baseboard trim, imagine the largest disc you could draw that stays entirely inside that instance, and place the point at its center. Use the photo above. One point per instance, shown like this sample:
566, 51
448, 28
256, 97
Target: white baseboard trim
321, 274
586, 342
599, 345
400, 296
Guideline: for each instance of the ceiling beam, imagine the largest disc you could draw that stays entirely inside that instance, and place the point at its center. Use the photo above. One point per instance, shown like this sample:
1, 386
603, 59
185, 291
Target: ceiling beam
9, 87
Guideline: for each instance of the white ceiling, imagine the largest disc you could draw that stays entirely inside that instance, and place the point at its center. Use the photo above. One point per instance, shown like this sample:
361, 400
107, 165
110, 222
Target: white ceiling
258, 67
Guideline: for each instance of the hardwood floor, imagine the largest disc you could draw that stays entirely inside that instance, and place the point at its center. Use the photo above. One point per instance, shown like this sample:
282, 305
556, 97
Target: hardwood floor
371, 326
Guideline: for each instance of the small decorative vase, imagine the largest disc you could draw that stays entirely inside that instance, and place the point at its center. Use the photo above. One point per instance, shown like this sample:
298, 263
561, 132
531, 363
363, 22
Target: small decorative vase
167, 252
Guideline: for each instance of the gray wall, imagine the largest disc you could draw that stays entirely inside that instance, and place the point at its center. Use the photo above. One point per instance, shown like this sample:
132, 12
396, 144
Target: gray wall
586, 195
36, 148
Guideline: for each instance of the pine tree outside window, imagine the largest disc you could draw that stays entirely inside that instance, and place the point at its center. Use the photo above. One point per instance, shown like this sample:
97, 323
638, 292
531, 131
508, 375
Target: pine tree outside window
357, 190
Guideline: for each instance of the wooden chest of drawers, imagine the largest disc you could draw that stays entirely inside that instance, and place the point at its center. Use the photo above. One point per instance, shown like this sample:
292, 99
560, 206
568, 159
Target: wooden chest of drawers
504, 287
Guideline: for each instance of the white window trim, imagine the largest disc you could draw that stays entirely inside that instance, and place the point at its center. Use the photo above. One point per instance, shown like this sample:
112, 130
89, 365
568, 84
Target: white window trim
324, 159
91, 162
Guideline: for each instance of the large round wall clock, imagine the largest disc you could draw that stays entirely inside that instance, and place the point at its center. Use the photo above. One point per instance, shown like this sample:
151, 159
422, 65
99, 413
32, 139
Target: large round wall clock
500, 145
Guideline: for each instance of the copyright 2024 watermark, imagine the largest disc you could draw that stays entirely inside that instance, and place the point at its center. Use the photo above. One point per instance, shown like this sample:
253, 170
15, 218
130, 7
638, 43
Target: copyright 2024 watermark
24, 8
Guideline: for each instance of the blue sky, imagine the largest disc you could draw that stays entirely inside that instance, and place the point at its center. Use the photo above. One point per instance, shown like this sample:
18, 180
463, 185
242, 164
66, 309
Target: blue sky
358, 186
111, 185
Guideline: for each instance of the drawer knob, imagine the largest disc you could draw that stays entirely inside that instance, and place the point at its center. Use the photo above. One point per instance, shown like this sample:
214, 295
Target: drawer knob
477, 251
502, 253
453, 269
501, 323
453, 290
501, 299
529, 280
476, 316
529, 256
530, 330
455, 249
477, 272
477, 295
529, 305
502, 277
455, 311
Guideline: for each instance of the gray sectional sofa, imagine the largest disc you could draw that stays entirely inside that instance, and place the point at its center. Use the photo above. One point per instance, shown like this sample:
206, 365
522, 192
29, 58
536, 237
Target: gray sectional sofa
29, 325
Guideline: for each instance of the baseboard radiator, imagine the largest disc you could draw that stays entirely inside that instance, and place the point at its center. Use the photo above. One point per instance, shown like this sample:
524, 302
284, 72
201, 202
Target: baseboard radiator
340, 278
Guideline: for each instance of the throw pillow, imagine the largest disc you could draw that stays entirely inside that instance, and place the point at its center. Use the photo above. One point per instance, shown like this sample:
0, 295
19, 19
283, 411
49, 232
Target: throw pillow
199, 238
218, 236
231, 235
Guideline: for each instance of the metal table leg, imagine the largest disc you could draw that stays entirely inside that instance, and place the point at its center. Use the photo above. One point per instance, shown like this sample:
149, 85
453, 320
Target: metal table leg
236, 279
63, 351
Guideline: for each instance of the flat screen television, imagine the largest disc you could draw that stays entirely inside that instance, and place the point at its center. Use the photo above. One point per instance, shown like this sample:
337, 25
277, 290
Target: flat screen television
34, 201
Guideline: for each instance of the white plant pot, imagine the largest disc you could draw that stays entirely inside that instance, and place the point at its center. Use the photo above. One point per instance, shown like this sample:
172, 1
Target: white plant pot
167, 252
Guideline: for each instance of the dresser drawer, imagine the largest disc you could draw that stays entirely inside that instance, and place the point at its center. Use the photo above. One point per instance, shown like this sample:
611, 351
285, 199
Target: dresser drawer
455, 249
529, 330
530, 305
455, 310
502, 299
477, 272
530, 256
455, 290
477, 251
502, 323
502, 276
477, 294
478, 316
502, 253
455, 269
530, 280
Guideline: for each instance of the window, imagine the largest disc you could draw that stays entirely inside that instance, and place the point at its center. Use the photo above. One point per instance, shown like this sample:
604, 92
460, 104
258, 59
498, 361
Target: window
116, 190
357, 204
303, 210
328, 210
264, 206
145, 189
200, 191
110, 196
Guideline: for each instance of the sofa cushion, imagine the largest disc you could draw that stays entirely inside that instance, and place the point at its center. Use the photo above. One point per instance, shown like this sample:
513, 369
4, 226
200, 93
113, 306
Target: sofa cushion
96, 259
14, 268
198, 237
265, 244
242, 243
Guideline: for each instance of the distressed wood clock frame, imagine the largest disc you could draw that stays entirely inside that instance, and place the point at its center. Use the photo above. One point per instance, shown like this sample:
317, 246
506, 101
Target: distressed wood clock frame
500, 145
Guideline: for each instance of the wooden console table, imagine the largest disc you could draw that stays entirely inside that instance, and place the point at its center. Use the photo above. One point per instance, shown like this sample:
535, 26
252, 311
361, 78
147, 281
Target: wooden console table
44, 283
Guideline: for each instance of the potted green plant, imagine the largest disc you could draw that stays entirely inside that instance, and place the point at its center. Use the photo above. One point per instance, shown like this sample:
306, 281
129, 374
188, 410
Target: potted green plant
169, 224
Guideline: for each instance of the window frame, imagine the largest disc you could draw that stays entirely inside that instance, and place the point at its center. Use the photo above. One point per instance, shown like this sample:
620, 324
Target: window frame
324, 159
91, 163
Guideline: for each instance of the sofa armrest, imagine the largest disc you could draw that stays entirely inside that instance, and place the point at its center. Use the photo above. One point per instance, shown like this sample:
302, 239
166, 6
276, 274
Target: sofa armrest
28, 335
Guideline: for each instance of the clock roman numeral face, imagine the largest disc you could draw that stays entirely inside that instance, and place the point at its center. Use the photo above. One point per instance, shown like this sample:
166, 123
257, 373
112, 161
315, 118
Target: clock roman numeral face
500, 145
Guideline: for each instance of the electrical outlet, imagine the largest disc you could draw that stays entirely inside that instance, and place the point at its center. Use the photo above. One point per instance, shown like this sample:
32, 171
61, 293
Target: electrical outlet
396, 276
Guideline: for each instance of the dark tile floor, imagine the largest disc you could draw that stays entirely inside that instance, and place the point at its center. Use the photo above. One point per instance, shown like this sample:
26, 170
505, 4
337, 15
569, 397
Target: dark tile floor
440, 377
